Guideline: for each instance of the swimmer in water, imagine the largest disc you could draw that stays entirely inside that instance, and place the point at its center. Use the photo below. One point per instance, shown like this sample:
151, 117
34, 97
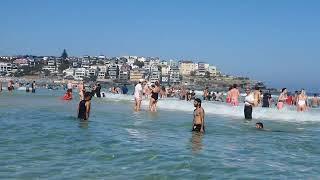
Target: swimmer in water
84, 107
259, 125
198, 117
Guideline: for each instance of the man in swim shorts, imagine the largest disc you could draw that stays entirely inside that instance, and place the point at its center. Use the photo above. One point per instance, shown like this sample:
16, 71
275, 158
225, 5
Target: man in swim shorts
198, 117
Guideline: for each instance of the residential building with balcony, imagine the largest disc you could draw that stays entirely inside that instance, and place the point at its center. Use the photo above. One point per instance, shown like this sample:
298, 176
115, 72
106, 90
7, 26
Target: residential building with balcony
79, 73
174, 75
186, 67
201, 69
136, 75
113, 71
155, 74
5, 67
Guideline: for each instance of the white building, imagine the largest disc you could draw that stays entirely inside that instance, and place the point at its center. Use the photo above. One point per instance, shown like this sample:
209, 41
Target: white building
155, 74
79, 73
174, 75
5, 67
131, 59
102, 71
68, 72
186, 67
173, 63
212, 70
92, 71
141, 59
165, 70
164, 63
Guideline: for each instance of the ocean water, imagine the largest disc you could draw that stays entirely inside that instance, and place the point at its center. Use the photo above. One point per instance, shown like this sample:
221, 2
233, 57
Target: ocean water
40, 138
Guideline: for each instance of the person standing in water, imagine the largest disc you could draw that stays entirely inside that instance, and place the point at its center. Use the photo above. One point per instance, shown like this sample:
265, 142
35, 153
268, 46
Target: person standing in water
84, 107
234, 95
124, 89
10, 86
138, 91
0, 86
302, 101
257, 96
146, 89
98, 90
163, 92
315, 101
206, 93
27, 87
155, 89
282, 98
69, 87
198, 117
248, 104
81, 91
266, 100
33, 87
228, 98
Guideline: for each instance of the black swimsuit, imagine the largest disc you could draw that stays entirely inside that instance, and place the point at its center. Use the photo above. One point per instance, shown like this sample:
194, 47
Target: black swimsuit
197, 127
154, 95
82, 110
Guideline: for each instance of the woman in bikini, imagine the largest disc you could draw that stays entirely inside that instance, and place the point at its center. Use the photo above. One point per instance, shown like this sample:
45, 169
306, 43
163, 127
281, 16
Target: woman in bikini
302, 101
282, 98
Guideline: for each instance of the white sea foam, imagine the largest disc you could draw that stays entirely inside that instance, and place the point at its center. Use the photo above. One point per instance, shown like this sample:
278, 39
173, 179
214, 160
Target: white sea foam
222, 109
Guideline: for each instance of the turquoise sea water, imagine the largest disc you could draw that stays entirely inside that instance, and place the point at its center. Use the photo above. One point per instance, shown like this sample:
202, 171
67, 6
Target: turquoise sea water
40, 138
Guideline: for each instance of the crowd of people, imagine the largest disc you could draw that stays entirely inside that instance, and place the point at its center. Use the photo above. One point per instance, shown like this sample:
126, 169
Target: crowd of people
11, 86
153, 91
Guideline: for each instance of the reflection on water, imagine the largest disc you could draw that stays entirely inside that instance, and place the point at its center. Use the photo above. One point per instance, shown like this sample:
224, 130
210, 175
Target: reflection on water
83, 124
196, 142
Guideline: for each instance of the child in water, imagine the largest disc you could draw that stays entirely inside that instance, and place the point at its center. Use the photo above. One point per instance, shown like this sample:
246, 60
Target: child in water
84, 107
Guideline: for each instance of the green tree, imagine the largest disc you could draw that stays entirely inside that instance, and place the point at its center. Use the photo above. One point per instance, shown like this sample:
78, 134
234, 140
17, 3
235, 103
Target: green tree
138, 63
64, 63
93, 78
207, 74
64, 54
46, 72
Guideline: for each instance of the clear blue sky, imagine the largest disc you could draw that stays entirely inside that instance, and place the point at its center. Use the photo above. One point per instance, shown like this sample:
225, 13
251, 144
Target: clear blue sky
276, 41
